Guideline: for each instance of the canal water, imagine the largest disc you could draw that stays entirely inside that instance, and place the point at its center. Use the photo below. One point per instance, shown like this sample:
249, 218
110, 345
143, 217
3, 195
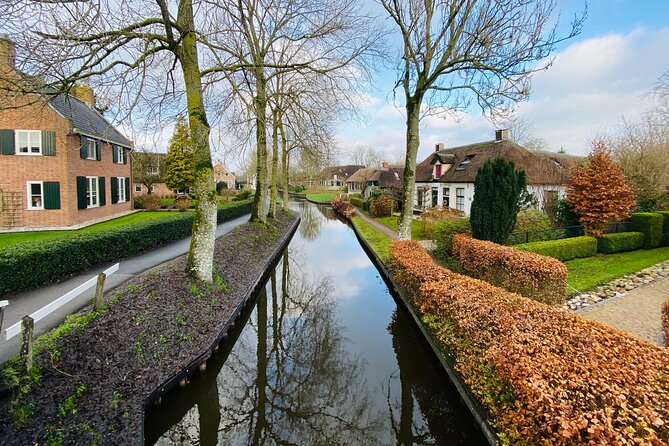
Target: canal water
325, 357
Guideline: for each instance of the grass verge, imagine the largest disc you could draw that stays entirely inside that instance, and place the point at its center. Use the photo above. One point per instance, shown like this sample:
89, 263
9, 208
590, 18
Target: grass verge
322, 196
589, 272
379, 241
391, 222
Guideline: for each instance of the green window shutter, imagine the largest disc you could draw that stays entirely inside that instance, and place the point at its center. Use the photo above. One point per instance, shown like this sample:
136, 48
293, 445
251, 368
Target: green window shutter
82, 202
83, 148
127, 188
127, 154
101, 191
98, 151
48, 143
51, 194
7, 142
114, 190
115, 153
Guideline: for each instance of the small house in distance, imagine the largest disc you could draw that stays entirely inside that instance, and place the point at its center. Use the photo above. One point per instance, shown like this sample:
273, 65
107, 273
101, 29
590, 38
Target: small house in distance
446, 177
388, 177
63, 164
224, 175
335, 177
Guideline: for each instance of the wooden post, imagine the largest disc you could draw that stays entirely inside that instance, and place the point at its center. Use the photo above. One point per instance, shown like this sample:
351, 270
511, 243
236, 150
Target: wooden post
27, 325
99, 300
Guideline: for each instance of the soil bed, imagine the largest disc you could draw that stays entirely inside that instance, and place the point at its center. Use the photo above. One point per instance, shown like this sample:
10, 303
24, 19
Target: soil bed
89, 384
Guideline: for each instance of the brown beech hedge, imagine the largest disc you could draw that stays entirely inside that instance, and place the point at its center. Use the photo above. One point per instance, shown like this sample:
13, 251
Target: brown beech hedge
535, 276
545, 375
343, 207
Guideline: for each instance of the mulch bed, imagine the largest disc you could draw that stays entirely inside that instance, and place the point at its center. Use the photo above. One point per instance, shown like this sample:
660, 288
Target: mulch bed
156, 324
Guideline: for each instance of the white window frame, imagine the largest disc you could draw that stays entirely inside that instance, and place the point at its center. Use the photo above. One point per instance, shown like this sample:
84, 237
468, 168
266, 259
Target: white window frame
29, 134
460, 204
30, 195
94, 144
92, 184
121, 190
120, 155
138, 187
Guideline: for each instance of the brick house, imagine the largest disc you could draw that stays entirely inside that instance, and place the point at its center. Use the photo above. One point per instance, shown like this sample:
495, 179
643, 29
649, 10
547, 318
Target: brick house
148, 169
63, 165
223, 174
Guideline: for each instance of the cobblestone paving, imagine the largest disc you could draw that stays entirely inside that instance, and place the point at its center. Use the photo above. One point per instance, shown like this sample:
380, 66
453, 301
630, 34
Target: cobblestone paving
637, 311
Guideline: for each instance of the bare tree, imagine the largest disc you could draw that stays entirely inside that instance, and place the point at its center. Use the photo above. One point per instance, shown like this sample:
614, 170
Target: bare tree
455, 52
263, 39
147, 51
147, 169
521, 131
365, 156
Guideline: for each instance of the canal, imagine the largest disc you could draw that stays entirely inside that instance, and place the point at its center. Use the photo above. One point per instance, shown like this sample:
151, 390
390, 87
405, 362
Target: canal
325, 357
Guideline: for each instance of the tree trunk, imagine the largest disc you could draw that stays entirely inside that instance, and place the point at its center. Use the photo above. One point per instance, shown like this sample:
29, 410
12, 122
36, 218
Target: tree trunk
201, 253
413, 122
284, 165
275, 164
260, 104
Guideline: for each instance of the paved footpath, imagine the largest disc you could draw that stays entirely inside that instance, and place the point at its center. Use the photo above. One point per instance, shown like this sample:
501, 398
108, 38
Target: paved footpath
381, 227
637, 311
30, 301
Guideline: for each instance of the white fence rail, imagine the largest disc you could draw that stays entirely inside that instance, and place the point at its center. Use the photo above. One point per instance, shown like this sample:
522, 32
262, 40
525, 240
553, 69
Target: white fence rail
46, 310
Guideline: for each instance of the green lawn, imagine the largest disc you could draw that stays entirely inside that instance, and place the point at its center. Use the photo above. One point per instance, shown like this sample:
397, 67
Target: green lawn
322, 196
379, 241
391, 222
592, 271
13, 238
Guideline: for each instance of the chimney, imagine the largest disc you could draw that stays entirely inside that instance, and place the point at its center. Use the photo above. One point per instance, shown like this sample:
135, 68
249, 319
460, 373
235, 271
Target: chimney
439, 147
85, 94
501, 135
7, 54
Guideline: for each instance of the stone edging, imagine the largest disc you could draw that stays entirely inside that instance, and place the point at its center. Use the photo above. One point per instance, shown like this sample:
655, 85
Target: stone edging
400, 296
618, 287
227, 328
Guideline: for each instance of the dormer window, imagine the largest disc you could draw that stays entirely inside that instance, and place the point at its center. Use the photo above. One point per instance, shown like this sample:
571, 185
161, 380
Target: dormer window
465, 162
437, 170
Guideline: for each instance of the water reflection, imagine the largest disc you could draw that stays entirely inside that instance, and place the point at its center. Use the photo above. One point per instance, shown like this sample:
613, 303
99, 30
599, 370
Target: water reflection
325, 358
311, 225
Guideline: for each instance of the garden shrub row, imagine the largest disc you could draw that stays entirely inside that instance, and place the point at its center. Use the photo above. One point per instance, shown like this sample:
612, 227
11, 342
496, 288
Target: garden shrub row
343, 208
665, 226
620, 242
538, 277
563, 249
650, 224
543, 374
381, 206
357, 201
31, 264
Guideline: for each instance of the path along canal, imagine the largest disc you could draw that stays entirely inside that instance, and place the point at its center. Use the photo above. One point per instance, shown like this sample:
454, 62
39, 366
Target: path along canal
325, 357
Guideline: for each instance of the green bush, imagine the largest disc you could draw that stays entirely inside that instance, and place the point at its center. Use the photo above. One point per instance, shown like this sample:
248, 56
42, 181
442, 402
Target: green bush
357, 201
620, 242
650, 223
564, 249
537, 223
665, 228
34, 263
444, 232
381, 206
243, 195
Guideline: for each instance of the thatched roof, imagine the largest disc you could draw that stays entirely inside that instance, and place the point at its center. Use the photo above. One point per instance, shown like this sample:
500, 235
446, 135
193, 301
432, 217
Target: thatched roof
463, 163
342, 172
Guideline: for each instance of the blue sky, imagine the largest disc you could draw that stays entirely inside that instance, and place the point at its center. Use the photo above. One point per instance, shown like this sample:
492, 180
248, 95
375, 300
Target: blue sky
598, 77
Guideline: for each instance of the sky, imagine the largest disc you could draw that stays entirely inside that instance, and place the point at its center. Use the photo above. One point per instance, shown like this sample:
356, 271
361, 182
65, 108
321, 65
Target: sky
598, 77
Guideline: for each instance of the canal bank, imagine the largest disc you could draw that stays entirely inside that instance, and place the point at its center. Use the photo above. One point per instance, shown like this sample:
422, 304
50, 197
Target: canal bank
90, 384
326, 357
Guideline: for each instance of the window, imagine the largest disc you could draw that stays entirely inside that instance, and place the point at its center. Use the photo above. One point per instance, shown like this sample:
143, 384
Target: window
138, 187
35, 195
437, 170
465, 162
229, 184
92, 151
119, 158
460, 198
152, 170
29, 142
446, 197
435, 196
92, 198
121, 190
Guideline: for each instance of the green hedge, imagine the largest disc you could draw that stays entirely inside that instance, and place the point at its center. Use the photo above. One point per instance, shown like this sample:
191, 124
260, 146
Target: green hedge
665, 229
620, 242
564, 249
31, 264
650, 223
358, 202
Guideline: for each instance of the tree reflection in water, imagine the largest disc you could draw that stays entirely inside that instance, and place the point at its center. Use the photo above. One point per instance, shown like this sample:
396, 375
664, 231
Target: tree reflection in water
311, 224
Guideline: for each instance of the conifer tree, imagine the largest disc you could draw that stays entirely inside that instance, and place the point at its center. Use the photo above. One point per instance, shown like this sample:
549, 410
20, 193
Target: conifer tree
179, 161
599, 191
497, 190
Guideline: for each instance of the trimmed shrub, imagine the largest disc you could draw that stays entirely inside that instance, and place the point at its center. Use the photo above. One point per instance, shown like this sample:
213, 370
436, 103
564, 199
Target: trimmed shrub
665, 226
564, 249
620, 242
535, 276
444, 232
381, 206
343, 208
544, 375
357, 201
650, 223
34, 263
151, 202
182, 203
